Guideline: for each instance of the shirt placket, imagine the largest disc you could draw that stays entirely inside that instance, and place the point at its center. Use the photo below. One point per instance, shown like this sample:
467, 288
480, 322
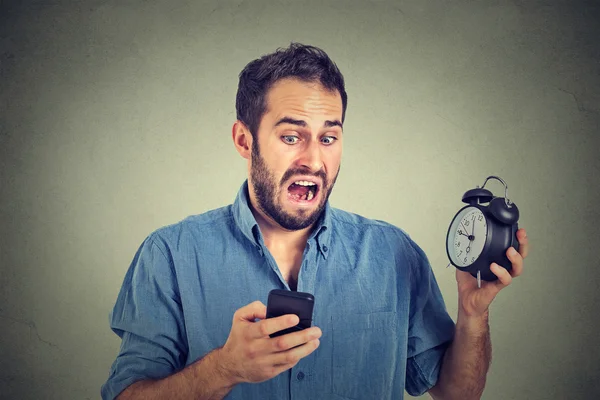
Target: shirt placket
303, 374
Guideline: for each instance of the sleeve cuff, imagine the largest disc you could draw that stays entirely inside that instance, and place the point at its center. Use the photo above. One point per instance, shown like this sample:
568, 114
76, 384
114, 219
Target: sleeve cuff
423, 370
113, 387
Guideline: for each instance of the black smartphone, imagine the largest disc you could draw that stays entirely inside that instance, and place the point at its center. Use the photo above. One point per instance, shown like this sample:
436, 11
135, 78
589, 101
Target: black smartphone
282, 302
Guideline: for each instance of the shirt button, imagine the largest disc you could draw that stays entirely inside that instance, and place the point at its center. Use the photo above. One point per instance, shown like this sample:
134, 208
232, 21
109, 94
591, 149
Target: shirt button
325, 248
300, 375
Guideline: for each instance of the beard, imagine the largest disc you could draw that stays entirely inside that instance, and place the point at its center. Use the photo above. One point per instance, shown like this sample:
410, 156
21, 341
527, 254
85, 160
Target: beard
266, 190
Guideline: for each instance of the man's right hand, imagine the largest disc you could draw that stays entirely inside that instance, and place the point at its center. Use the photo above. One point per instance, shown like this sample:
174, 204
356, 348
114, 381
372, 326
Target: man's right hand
250, 355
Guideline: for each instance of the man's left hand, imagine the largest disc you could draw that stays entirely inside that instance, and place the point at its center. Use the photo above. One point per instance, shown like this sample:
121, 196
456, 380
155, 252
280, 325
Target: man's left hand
474, 301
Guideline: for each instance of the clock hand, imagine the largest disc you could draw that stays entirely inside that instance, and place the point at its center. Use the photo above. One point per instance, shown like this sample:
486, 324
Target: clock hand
470, 237
464, 227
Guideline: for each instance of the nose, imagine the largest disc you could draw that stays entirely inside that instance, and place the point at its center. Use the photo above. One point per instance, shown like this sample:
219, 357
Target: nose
311, 157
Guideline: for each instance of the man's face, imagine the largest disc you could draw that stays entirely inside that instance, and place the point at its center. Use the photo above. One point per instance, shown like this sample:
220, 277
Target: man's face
297, 153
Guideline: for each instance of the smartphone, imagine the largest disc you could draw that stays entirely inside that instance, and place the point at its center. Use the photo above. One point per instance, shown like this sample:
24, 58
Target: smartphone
282, 302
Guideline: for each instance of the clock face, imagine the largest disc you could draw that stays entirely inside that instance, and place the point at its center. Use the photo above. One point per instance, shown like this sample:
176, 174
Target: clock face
466, 236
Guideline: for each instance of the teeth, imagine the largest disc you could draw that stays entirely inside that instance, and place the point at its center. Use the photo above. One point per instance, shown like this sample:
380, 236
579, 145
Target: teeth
305, 183
310, 196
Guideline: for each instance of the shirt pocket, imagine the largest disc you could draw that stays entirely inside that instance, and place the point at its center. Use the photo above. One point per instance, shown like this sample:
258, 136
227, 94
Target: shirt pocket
365, 348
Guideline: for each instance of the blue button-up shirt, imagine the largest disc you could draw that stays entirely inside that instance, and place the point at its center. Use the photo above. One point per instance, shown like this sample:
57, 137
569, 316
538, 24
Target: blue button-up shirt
384, 322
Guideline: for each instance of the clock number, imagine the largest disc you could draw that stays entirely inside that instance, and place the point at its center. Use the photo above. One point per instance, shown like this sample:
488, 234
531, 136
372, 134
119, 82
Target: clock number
467, 223
465, 260
472, 259
459, 253
480, 217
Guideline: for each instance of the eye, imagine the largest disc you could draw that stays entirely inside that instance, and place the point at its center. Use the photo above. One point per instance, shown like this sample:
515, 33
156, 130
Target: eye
289, 139
328, 140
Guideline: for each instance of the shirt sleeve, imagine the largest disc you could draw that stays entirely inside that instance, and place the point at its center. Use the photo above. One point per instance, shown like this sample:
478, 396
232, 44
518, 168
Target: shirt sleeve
148, 318
430, 329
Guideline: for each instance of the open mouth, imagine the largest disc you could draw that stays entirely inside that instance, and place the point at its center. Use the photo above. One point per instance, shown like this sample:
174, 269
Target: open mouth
304, 191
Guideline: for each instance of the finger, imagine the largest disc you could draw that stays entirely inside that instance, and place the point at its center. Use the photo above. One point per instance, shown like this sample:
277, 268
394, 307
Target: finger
289, 358
491, 289
290, 340
504, 277
523, 242
250, 312
461, 276
516, 260
269, 326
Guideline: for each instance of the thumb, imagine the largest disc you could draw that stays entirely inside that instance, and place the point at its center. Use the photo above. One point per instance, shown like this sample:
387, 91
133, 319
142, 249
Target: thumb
252, 311
464, 278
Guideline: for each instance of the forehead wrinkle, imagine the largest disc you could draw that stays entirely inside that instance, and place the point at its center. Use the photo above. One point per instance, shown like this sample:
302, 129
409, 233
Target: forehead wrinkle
289, 107
298, 100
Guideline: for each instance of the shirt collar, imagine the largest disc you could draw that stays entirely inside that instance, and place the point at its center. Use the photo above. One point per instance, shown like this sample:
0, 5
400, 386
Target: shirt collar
243, 215
245, 220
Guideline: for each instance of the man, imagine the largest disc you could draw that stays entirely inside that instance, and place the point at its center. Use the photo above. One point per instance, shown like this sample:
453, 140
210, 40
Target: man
380, 323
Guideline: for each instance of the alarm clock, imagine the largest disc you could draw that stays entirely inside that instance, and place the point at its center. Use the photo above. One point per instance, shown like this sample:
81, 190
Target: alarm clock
482, 231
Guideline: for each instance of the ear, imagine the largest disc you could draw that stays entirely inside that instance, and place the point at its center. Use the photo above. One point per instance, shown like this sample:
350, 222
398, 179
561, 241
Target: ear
242, 139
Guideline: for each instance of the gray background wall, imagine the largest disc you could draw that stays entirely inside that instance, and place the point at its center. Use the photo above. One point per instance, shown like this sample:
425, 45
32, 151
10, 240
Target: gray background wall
115, 119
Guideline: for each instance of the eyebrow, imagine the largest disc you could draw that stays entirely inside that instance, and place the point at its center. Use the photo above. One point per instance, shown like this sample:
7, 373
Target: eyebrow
299, 122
